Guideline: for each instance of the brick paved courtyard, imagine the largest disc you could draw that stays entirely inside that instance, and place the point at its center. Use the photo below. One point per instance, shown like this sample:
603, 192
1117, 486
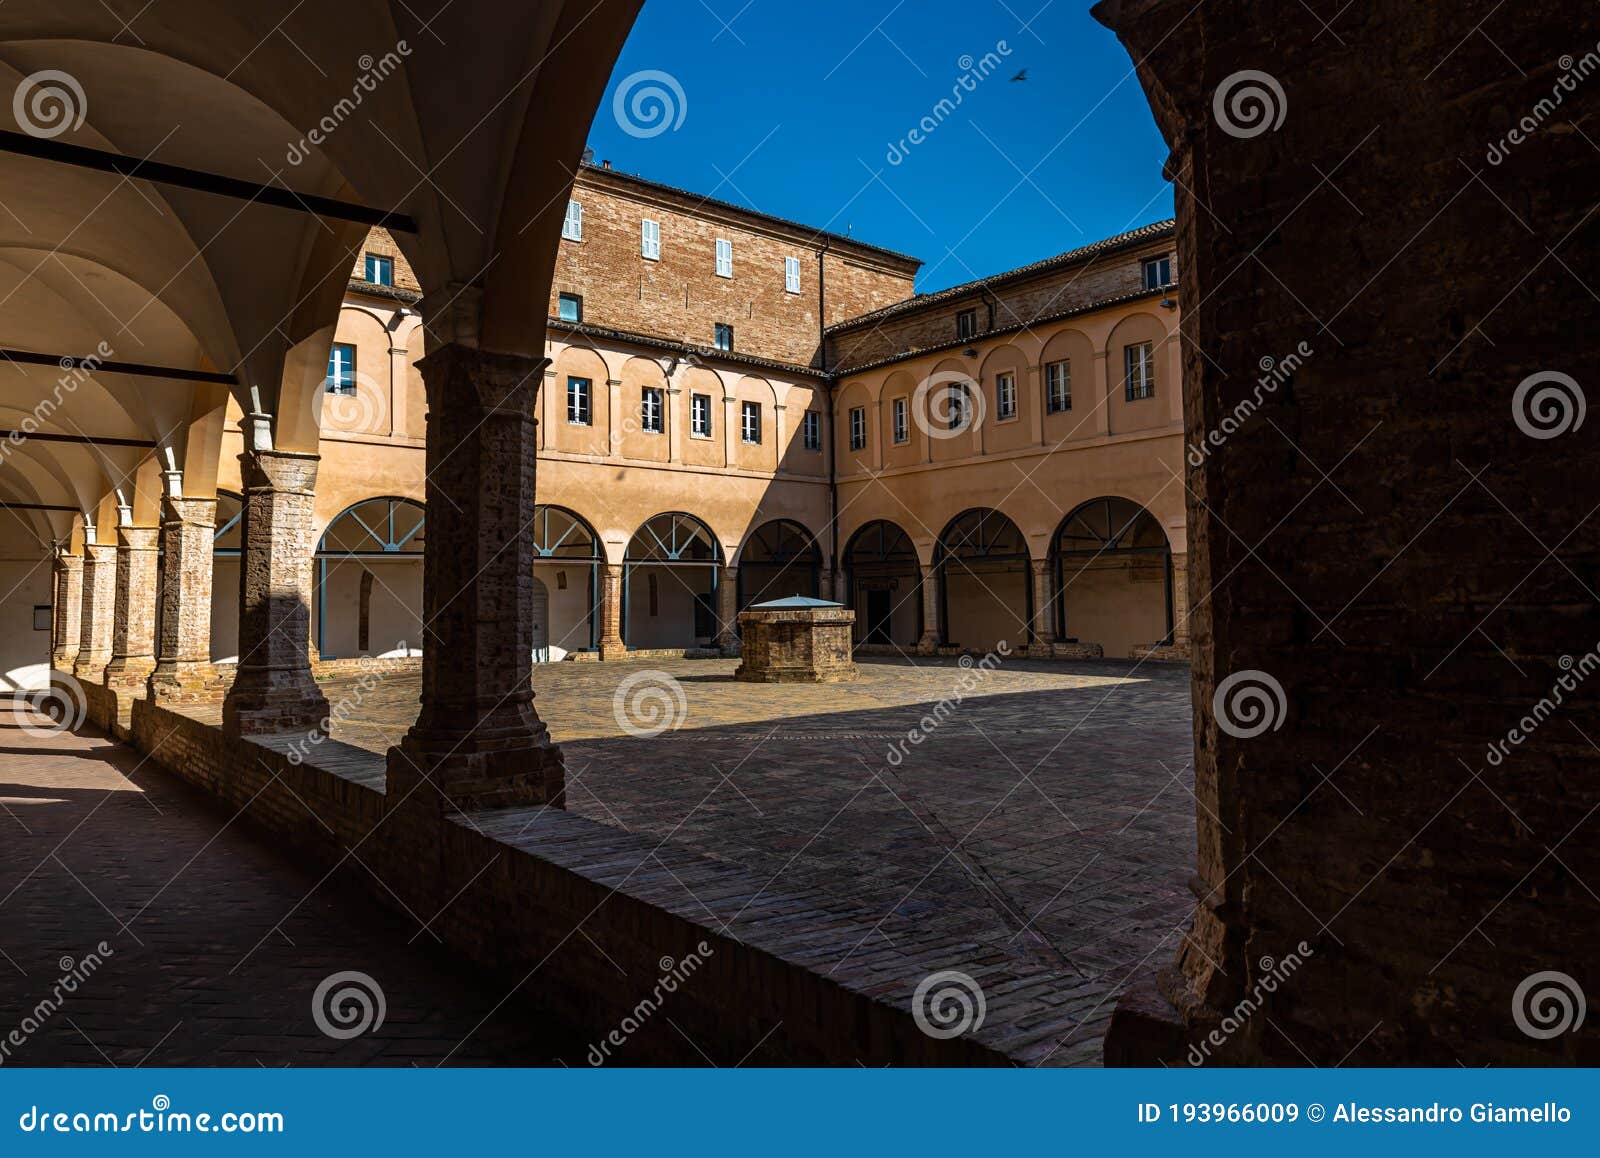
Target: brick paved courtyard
218, 941
1049, 814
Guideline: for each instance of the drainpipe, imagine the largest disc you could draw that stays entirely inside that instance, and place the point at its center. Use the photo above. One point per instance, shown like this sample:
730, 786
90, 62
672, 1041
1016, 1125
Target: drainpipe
833, 446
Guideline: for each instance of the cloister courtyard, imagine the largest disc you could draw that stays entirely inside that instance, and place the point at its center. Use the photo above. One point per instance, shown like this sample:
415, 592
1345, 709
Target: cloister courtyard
1041, 823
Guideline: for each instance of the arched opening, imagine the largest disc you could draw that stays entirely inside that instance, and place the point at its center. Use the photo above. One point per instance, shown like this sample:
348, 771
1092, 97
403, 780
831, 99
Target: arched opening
985, 583
368, 588
1113, 570
883, 585
780, 558
226, 544
669, 584
567, 561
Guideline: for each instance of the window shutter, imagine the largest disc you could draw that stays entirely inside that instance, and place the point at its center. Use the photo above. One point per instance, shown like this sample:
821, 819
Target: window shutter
791, 274
650, 239
724, 258
573, 228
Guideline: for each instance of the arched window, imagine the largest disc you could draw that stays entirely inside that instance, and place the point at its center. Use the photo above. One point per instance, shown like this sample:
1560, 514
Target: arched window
369, 580
778, 560
566, 568
675, 604
985, 582
1113, 576
883, 584
673, 538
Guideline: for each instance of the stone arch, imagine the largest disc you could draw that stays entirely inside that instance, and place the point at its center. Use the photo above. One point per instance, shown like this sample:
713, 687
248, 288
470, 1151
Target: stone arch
1112, 565
763, 454
568, 557
605, 434
639, 442
778, 559
856, 394
1125, 412
985, 581
367, 594
1078, 408
882, 583
670, 575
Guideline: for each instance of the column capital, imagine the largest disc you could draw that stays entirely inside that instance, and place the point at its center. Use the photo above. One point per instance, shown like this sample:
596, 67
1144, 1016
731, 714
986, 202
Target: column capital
287, 471
456, 375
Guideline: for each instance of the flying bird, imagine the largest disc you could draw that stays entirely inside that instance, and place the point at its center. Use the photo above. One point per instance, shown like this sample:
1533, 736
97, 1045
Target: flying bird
1023, 75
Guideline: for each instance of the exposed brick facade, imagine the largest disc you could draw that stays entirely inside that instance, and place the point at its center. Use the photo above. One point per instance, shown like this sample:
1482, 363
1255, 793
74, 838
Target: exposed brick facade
681, 297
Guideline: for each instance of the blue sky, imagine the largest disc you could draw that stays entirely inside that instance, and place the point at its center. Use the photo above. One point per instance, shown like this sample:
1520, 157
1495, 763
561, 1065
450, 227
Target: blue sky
794, 107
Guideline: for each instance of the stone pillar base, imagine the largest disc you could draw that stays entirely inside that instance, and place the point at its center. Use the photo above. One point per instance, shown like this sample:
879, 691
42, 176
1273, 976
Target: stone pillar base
263, 702
129, 677
929, 643
474, 781
613, 649
187, 682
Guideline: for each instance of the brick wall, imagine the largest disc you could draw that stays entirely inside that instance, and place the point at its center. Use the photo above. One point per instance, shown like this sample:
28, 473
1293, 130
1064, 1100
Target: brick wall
999, 306
380, 242
680, 297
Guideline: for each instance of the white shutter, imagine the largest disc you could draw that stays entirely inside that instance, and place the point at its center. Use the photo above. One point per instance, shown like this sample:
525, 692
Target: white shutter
724, 258
572, 228
791, 274
650, 239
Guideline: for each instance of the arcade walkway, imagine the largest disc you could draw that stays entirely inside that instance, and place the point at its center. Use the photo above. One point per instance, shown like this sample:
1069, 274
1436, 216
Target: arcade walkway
218, 941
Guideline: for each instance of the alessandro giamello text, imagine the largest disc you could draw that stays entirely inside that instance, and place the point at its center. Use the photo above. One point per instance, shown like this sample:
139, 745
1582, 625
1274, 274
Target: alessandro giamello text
1488, 1113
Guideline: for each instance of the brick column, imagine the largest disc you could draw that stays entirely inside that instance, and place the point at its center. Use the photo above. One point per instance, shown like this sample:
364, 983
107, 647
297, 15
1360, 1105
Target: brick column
133, 630
66, 625
728, 610
1180, 600
611, 645
183, 650
477, 736
99, 601
1044, 611
825, 584
930, 611
274, 690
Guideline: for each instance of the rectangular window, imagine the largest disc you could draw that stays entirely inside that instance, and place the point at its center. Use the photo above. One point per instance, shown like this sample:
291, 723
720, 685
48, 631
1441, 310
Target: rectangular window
700, 415
724, 257
811, 425
791, 275
578, 401
380, 270
572, 227
722, 336
902, 431
1058, 386
1005, 395
650, 240
571, 307
958, 408
650, 411
966, 324
858, 428
1157, 272
341, 369
750, 422
1140, 362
